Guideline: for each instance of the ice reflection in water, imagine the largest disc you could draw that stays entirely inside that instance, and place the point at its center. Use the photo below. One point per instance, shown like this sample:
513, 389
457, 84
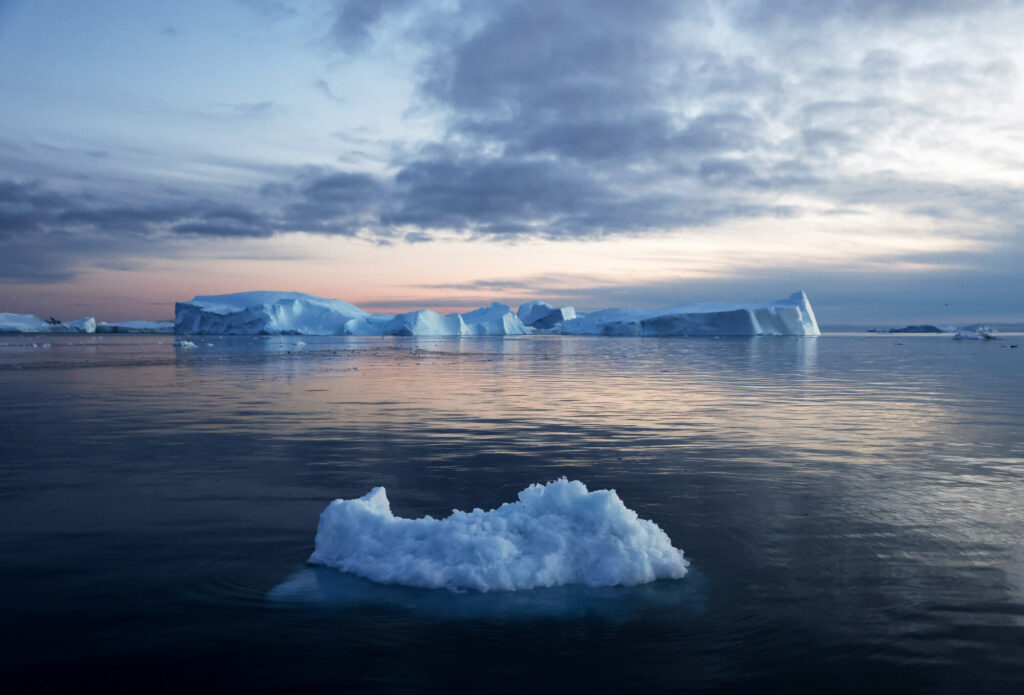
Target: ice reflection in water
325, 587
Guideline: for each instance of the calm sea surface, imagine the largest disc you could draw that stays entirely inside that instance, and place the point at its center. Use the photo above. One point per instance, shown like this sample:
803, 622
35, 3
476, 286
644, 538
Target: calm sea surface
852, 506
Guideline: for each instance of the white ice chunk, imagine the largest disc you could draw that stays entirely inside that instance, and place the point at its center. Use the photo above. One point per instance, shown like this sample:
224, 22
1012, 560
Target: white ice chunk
556, 534
185, 344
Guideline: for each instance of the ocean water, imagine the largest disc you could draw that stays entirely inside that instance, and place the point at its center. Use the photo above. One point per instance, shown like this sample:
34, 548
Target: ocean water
852, 507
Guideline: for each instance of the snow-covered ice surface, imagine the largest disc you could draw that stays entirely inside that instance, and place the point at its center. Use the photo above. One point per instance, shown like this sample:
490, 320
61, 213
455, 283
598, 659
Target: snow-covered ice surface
27, 323
556, 534
276, 313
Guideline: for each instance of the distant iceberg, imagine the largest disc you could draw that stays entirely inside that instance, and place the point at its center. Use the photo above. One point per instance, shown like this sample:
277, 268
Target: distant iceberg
974, 333
791, 316
924, 328
135, 327
267, 313
27, 323
556, 534
294, 313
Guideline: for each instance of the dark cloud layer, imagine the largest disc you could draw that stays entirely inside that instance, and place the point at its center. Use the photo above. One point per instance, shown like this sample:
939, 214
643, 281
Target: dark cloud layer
584, 118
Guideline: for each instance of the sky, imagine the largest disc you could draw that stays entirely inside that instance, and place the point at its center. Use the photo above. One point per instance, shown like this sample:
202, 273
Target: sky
401, 155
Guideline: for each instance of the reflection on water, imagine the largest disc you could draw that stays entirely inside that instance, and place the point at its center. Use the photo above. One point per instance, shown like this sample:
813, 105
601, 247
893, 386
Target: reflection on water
322, 586
852, 507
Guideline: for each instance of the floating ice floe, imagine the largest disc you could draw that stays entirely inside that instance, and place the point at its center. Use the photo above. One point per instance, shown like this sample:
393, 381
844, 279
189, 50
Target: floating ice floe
555, 534
185, 344
294, 313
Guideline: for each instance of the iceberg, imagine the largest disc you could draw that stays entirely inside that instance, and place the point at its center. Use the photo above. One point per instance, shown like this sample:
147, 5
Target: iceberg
425, 322
294, 313
135, 327
542, 315
924, 328
556, 534
265, 313
974, 333
28, 323
496, 319
791, 316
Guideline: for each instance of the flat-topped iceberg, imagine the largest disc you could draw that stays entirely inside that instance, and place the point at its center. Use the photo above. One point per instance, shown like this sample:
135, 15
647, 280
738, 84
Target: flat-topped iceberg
294, 313
556, 534
791, 316
277, 313
924, 328
135, 327
268, 313
28, 323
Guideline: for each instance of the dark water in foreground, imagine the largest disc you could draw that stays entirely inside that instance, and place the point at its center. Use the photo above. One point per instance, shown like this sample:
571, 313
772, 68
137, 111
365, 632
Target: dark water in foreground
852, 506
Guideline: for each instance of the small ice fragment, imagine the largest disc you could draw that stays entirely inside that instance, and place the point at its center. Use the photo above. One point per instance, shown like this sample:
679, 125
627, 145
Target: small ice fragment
184, 344
558, 533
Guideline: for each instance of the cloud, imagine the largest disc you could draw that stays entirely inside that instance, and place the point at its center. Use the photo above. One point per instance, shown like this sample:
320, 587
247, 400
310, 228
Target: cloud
354, 20
45, 235
325, 89
273, 10
638, 119
256, 110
